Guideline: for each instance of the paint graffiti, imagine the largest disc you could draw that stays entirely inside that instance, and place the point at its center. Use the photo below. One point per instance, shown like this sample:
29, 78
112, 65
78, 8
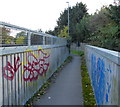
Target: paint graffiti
108, 89
98, 75
33, 67
36, 67
9, 70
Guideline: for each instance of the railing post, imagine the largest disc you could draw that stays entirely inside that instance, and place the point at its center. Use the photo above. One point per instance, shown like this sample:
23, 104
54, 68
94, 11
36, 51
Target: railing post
29, 38
1, 35
52, 41
43, 40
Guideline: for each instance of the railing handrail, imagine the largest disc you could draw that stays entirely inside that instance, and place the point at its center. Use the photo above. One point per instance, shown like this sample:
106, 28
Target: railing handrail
113, 56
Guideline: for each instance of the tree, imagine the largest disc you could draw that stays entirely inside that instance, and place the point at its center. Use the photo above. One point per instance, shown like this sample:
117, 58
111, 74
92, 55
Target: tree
50, 32
76, 14
114, 11
20, 40
64, 32
22, 33
104, 28
6, 38
82, 30
39, 30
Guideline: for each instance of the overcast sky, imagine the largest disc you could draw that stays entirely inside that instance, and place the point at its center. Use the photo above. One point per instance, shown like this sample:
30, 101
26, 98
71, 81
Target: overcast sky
36, 14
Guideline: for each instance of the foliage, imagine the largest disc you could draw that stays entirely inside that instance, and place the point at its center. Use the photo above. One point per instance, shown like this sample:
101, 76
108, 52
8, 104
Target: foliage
108, 36
82, 30
9, 40
22, 33
6, 38
114, 11
76, 13
20, 40
64, 32
50, 32
101, 29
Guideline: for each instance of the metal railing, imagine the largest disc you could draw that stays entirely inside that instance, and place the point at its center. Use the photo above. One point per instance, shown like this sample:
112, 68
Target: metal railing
12, 35
27, 59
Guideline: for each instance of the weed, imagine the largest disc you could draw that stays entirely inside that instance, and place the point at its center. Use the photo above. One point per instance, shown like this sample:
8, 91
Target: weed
86, 85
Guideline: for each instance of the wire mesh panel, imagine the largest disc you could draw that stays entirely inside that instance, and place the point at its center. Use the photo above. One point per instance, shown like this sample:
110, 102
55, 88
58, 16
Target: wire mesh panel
36, 39
1, 35
13, 37
48, 40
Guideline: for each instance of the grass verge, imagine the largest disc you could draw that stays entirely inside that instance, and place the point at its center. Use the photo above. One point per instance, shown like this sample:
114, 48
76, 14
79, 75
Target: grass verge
47, 84
80, 53
88, 94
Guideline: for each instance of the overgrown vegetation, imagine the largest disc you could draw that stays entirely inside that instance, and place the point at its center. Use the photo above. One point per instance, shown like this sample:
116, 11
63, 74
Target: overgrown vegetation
47, 84
88, 94
100, 29
104, 28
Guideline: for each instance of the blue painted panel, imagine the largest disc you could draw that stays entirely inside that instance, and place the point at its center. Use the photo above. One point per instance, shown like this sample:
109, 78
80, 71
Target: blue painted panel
99, 81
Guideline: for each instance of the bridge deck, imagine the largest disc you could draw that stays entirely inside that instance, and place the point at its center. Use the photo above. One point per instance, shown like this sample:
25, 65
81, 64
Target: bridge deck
67, 89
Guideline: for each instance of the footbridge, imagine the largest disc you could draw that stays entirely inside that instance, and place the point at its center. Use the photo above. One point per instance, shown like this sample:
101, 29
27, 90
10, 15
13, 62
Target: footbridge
28, 59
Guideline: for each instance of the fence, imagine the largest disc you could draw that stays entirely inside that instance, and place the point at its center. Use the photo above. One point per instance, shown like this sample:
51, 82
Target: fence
104, 70
24, 68
12, 35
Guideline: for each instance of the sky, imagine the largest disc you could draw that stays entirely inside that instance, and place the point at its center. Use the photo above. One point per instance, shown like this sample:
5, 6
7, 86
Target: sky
41, 14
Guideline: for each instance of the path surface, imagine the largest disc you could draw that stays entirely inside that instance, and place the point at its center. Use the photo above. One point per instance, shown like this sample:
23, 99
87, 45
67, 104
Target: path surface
67, 89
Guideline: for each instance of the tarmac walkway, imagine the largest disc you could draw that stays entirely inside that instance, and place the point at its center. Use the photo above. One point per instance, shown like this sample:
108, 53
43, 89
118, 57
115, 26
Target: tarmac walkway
67, 89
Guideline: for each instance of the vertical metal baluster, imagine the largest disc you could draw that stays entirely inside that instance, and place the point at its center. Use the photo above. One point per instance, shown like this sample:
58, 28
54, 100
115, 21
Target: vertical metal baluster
31, 59
24, 81
15, 83
3, 78
18, 81
11, 83
26, 84
21, 76
7, 81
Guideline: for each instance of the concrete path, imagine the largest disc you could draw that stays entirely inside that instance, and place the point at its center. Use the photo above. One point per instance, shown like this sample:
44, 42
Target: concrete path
67, 89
